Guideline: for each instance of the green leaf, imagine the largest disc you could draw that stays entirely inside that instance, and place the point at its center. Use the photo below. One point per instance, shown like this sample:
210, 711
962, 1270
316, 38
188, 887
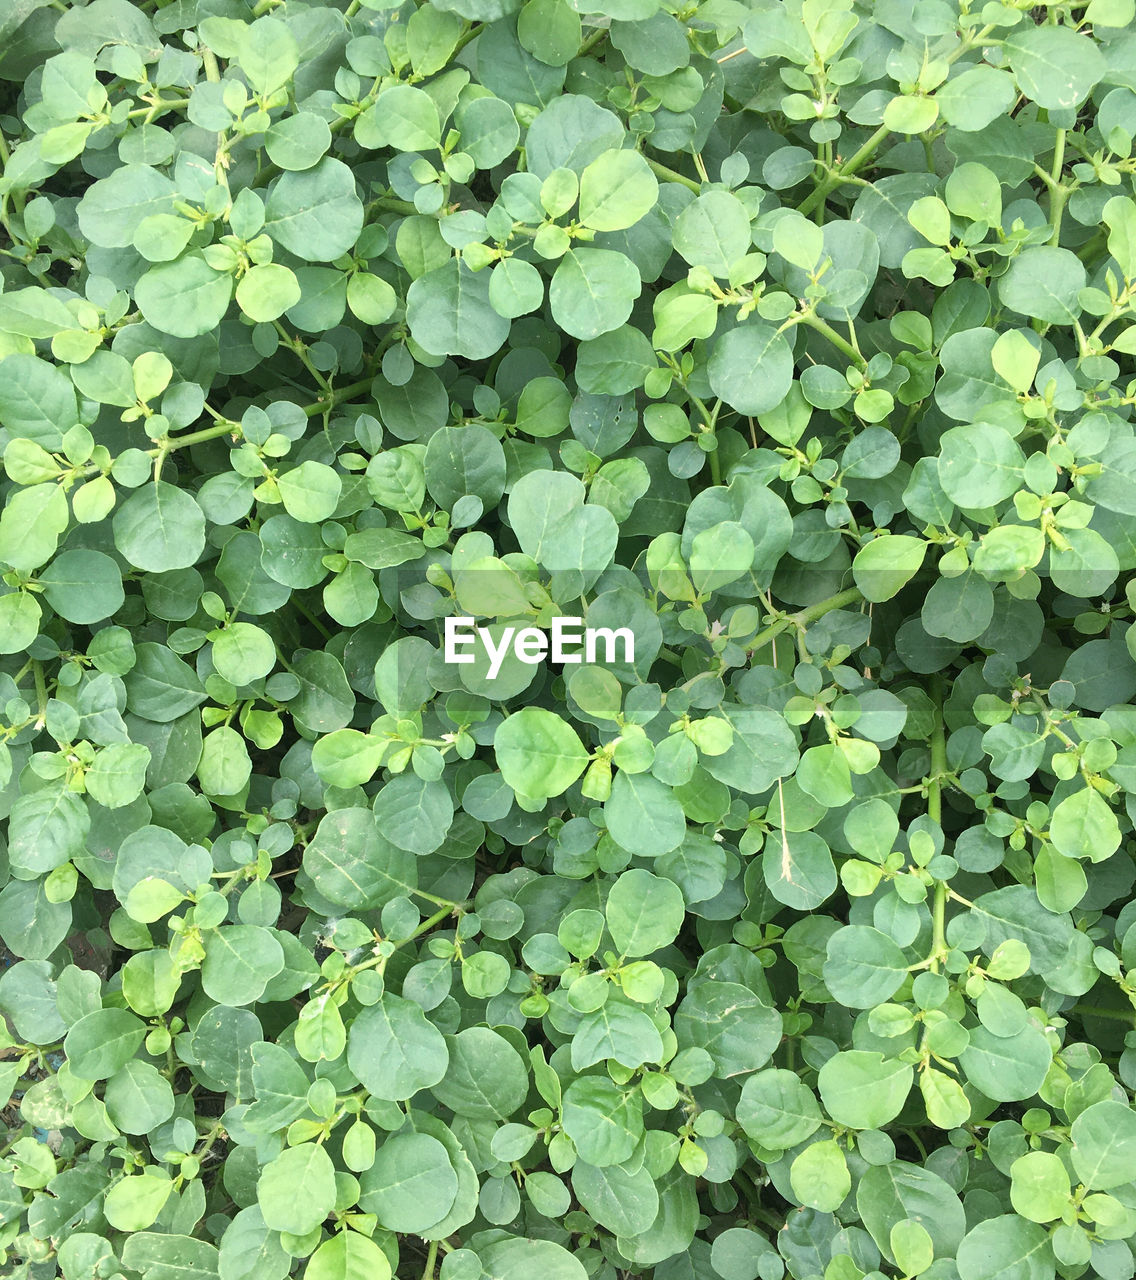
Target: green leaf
450, 313
1040, 1188
269, 54
411, 1186
1083, 826
517, 1259
348, 1256
538, 754
1044, 282
713, 231
643, 815
160, 527
133, 1204
593, 291
863, 967
1005, 1245
31, 524
185, 298
979, 466
394, 1051
402, 117
315, 214
102, 1042
239, 962
296, 1190
1054, 67
862, 1090
777, 1110
1104, 1139
884, 566
266, 292
819, 1176
83, 586
751, 368
37, 400
616, 190
1007, 1068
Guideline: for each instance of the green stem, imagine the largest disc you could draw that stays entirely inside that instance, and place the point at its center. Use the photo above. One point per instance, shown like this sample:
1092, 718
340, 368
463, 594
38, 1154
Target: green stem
591, 42
842, 344
163, 104
197, 437
935, 813
1096, 1011
41, 690
803, 617
299, 349
671, 175
1057, 192
851, 165
324, 403
431, 1256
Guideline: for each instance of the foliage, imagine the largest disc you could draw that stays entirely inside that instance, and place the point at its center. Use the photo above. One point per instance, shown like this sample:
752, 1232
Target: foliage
793, 336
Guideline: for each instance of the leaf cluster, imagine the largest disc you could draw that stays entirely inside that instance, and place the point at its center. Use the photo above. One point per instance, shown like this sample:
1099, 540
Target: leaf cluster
793, 337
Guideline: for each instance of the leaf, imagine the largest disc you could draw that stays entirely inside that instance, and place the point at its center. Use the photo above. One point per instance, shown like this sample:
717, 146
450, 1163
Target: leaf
777, 1110
1044, 282
402, 117
31, 524
860, 1089
239, 962
1104, 1138
315, 214
185, 298
1007, 1068
751, 368
593, 291
863, 967
643, 815
83, 586
296, 1190
1005, 1245
538, 754
516, 1259
132, 1204
37, 400
884, 566
1055, 67
101, 1042
265, 292
348, 1256
644, 912
450, 313
616, 190
160, 527
819, 1176
1083, 826
411, 1186
394, 1051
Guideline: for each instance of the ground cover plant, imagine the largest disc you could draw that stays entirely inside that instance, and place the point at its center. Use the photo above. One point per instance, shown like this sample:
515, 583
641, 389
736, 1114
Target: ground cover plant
793, 338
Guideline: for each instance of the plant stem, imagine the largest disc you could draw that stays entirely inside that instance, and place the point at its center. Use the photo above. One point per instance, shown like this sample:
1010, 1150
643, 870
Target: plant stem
935, 813
671, 175
432, 1254
1057, 192
591, 42
850, 165
1096, 1011
324, 403
842, 344
803, 617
